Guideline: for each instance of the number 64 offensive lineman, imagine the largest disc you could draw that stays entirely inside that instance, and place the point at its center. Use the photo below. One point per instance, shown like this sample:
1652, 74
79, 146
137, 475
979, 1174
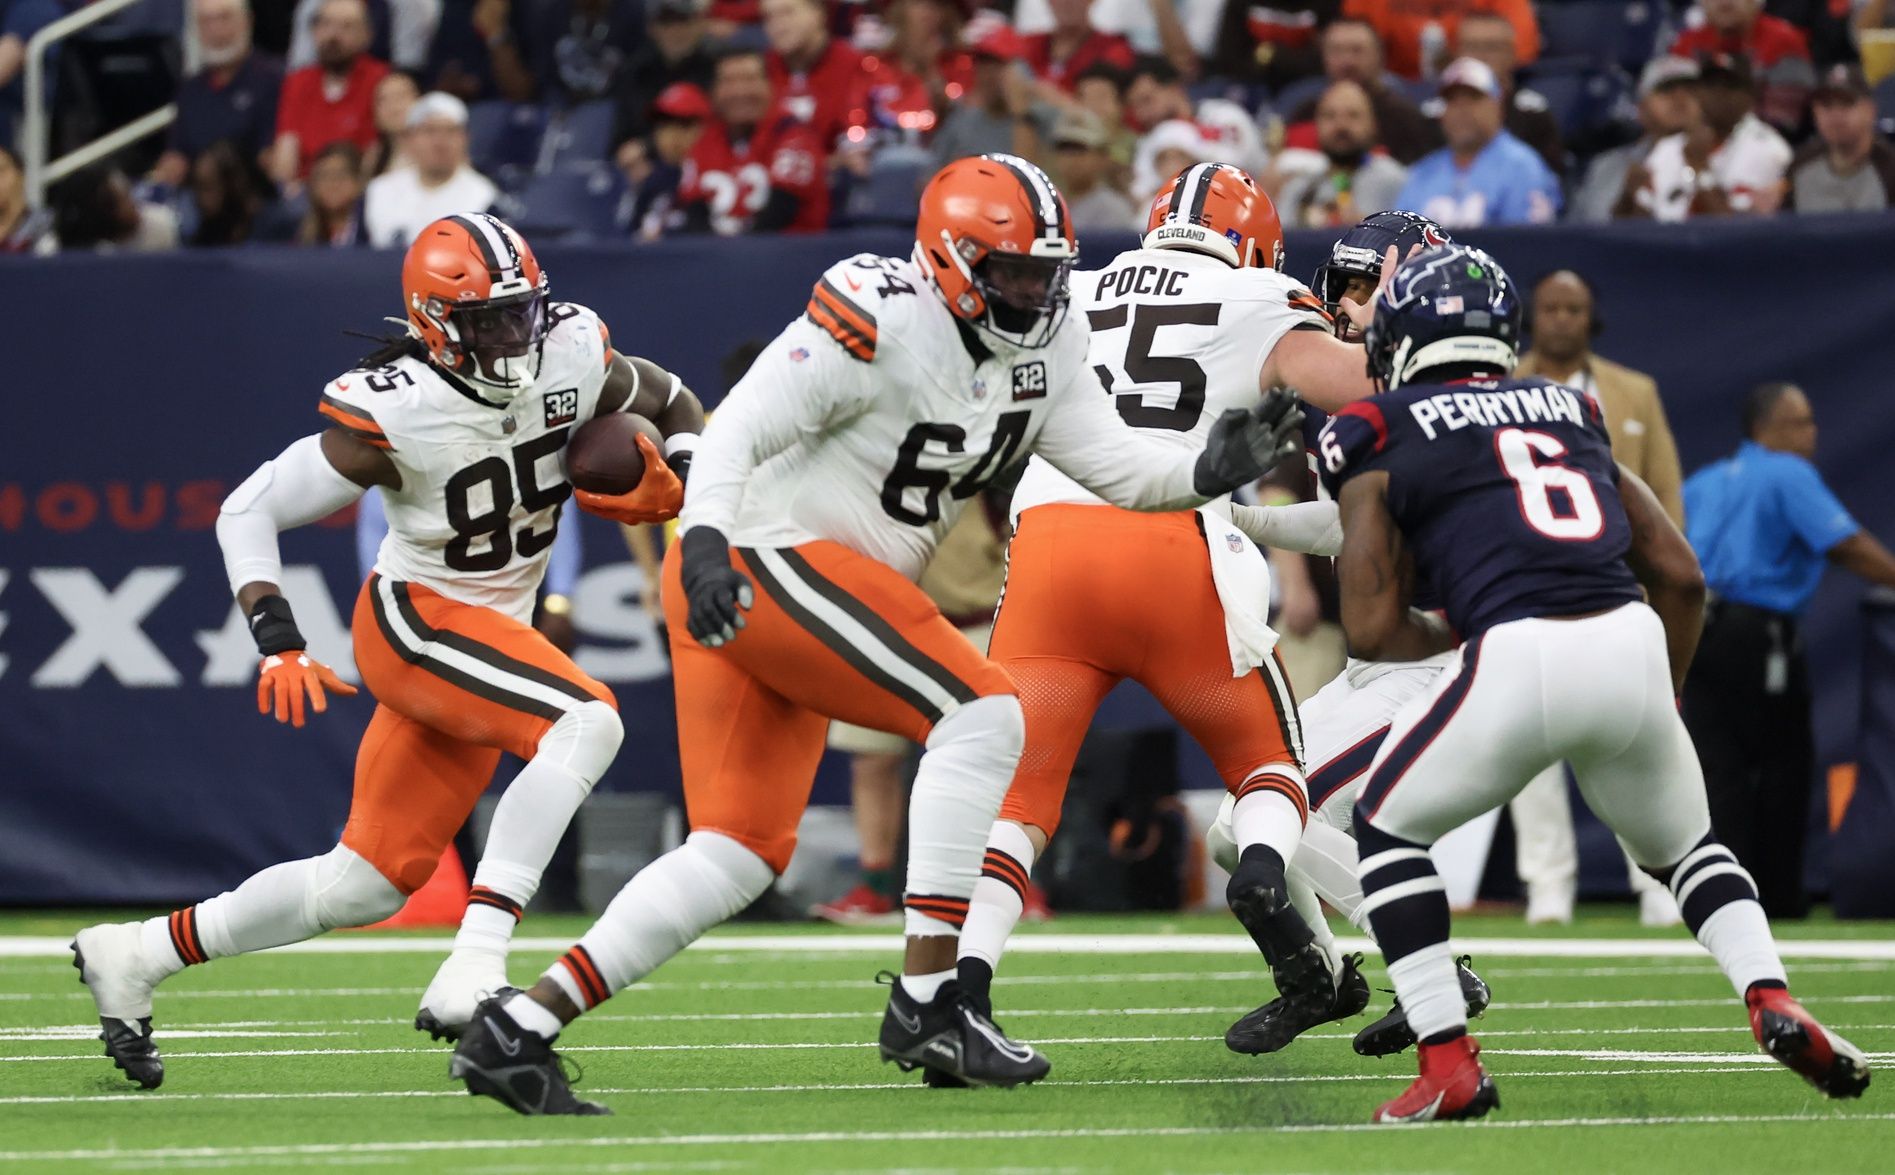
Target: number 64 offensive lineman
821, 487
463, 424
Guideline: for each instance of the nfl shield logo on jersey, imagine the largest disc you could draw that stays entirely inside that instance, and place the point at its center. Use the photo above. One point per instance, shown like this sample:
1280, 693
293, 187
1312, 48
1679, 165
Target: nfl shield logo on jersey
980, 388
1234, 541
799, 354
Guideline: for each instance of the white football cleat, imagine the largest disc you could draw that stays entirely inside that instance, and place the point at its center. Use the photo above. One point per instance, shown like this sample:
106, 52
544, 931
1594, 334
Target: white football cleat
112, 965
1549, 906
466, 978
1656, 907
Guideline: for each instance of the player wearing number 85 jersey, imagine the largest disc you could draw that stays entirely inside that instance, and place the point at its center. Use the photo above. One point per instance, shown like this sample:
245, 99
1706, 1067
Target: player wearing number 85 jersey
1504, 494
462, 424
822, 486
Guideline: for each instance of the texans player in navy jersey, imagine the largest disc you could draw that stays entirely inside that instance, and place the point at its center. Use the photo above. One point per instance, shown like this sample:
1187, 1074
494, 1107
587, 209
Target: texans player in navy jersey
1503, 494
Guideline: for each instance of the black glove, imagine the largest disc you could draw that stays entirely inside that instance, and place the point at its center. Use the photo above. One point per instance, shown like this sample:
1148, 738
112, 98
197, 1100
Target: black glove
273, 627
1246, 444
714, 591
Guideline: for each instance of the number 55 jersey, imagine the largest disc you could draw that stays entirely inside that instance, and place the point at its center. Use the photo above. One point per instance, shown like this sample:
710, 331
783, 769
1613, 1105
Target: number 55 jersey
1505, 491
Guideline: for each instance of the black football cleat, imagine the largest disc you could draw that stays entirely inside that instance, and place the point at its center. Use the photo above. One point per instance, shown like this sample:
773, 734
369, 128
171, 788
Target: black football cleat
1259, 895
1282, 1020
954, 1042
123, 999
1391, 1033
499, 1059
438, 1028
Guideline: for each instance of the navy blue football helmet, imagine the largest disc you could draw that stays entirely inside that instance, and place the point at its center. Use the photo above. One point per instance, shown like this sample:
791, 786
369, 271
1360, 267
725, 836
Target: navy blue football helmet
1359, 253
1450, 312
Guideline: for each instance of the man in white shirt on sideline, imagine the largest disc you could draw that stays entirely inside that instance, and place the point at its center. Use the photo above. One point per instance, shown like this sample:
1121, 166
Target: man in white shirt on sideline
441, 182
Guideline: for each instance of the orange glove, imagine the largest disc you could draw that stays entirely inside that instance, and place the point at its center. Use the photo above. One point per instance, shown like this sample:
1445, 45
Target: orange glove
657, 497
284, 679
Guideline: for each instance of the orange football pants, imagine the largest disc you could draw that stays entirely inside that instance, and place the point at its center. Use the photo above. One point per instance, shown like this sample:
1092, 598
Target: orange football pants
832, 635
1095, 595
454, 686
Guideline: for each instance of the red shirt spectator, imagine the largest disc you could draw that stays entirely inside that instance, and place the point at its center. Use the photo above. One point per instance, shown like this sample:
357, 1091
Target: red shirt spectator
904, 89
1059, 56
755, 168
1777, 50
813, 73
1403, 25
332, 100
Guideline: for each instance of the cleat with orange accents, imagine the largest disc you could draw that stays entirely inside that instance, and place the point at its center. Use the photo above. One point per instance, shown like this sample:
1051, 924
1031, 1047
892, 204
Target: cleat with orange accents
1452, 1085
858, 907
1790, 1034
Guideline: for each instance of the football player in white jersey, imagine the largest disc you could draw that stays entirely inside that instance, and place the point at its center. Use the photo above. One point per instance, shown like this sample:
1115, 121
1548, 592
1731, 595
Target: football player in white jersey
821, 487
463, 425
1195, 322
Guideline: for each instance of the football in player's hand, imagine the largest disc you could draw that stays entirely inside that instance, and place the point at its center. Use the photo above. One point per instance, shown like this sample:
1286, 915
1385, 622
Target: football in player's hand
603, 454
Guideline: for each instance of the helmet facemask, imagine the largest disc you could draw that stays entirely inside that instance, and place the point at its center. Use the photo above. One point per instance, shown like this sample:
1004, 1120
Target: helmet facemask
1025, 296
496, 342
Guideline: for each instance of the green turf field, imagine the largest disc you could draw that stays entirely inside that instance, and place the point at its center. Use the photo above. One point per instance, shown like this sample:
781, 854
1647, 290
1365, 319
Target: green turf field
752, 1052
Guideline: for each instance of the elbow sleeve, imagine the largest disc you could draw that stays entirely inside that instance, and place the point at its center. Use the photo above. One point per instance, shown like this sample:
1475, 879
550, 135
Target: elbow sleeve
295, 489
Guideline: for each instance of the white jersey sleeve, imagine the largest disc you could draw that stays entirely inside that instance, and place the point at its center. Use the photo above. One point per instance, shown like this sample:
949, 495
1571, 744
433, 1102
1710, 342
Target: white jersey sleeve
1085, 439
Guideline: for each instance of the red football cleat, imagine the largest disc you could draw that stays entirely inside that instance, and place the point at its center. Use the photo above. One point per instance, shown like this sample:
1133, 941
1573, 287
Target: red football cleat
1791, 1035
858, 906
1452, 1085
1033, 905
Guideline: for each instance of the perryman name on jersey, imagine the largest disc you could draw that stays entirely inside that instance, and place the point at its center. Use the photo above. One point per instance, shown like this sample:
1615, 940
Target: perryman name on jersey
1538, 403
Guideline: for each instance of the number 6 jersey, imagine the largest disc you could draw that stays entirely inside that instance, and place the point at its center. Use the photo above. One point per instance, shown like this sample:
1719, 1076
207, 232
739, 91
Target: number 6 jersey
1505, 491
482, 480
873, 417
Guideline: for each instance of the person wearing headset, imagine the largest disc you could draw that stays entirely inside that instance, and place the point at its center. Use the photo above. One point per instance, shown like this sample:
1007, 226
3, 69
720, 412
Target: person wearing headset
1563, 324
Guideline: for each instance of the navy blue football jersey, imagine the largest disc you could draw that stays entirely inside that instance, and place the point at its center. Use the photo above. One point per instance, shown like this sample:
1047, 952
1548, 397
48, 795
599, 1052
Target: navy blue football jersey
1505, 491
1314, 421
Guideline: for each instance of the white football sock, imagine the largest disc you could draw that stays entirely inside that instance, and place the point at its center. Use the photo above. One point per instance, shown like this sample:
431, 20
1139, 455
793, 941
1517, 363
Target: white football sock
531, 1015
661, 911
1429, 988
963, 776
999, 895
531, 817
1326, 860
1738, 937
1266, 816
1311, 908
924, 987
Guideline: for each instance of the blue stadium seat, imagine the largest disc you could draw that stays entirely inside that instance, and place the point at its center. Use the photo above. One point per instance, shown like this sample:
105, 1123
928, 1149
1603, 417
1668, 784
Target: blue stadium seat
1290, 97
582, 135
503, 135
572, 202
1625, 32
888, 195
1585, 100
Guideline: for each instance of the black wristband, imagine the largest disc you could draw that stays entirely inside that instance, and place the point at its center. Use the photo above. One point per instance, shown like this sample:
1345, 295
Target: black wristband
680, 463
274, 628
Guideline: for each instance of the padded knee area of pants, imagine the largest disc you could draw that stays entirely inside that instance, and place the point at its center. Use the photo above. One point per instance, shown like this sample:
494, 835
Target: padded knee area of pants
351, 892
1220, 840
584, 740
993, 727
738, 875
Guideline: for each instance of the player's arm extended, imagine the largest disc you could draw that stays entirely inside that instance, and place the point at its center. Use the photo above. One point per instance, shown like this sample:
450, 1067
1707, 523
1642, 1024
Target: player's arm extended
1311, 528
312, 479
1322, 368
1373, 578
1668, 569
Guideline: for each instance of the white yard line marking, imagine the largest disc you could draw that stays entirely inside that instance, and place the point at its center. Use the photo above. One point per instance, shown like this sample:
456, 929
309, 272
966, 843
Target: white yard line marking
1681, 947
418, 1146
84, 1032
833, 1087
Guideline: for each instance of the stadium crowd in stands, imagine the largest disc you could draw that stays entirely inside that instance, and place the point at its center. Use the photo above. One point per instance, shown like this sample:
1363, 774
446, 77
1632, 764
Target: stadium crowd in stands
345, 122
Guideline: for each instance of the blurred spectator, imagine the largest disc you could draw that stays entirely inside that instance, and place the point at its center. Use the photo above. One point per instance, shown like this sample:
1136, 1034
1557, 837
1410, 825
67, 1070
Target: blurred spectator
395, 96
23, 228
584, 48
902, 91
1484, 176
334, 217
229, 193
677, 119
399, 31
1275, 44
1667, 104
1156, 94
1082, 169
1057, 55
333, 99
401, 203
677, 49
93, 208
232, 98
1348, 178
1418, 33
1848, 168
997, 113
1726, 162
1489, 37
813, 73
1352, 51
1827, 24
1100, 89
1778, 53
1168, 149
755, 168
1182, 31
19, 20
483, 50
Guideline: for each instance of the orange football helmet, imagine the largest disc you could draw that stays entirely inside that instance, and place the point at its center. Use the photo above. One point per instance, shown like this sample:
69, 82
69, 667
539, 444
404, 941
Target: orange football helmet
476, 298
1217, 209
995, 239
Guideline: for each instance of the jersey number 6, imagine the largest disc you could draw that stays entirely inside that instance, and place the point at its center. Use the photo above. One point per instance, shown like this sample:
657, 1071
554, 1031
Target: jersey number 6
490, 524
1536, 484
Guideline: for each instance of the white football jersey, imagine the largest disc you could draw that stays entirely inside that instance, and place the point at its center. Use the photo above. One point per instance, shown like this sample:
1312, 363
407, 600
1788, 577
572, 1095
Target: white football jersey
482, 481
871, 420
1178, 339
